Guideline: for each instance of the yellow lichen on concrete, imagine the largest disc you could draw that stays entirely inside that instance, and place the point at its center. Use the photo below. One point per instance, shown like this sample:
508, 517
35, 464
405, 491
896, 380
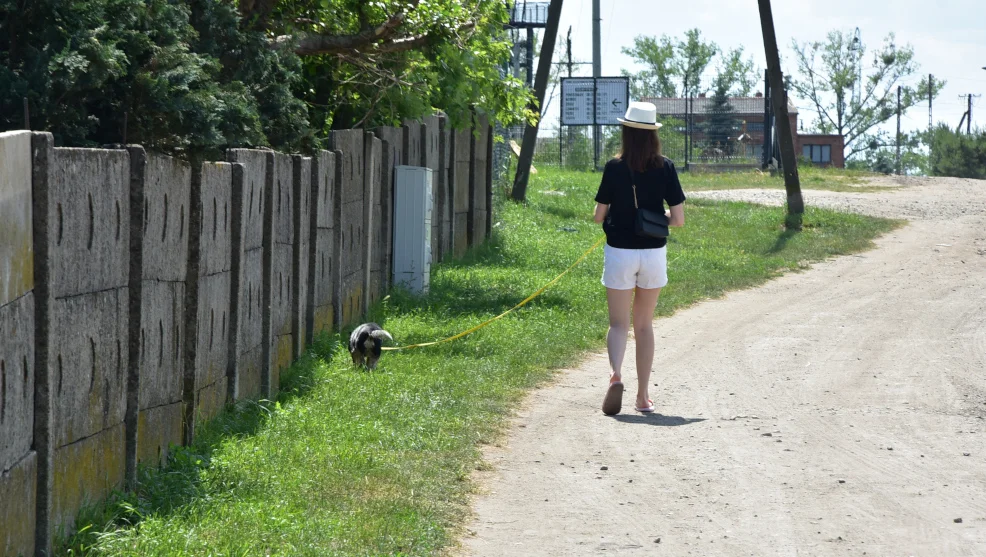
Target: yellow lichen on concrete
17, 507
85, 472
323, 319
210, 400
157, 429
283, 357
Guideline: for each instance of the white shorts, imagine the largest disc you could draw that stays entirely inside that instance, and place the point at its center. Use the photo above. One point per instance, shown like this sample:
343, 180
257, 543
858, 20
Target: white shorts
624, 269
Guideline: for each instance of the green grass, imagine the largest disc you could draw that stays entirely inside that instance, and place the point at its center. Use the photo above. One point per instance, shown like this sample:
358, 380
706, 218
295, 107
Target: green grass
354, 463
811, 178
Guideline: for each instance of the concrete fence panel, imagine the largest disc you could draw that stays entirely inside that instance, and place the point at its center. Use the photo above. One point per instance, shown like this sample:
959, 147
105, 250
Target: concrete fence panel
87, 195
250, 275
18, 462
373, 175
431, 149
412, 146
282, 295
460, 158
326, 174
208, 296
393, 155
301, 253
479, 181
166, 184
352, 238
445, 185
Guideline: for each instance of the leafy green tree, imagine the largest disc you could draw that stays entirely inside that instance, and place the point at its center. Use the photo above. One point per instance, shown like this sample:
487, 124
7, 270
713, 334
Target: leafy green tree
195, 76
671, 64
101, 71
372, 63
830, 70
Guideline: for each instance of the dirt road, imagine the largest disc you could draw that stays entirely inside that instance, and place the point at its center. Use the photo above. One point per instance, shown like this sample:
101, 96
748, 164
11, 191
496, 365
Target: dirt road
838, 411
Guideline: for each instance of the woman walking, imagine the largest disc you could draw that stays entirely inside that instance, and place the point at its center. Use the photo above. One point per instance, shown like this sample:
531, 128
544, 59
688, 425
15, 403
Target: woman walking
635, 265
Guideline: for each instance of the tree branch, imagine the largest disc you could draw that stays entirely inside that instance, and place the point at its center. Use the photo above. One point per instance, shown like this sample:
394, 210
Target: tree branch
306, 44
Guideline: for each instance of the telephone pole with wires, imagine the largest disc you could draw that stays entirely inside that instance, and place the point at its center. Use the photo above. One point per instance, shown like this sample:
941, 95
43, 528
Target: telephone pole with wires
898, 129
967, 117
931, 89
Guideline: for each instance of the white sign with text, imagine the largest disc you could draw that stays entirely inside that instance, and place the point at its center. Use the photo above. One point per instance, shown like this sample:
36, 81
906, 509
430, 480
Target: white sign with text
611, 96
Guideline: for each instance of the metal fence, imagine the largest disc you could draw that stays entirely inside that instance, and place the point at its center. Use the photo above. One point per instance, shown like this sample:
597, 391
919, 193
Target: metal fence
693, 142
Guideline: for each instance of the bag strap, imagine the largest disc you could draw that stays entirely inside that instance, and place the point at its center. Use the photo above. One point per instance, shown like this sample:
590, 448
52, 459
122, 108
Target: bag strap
633, 182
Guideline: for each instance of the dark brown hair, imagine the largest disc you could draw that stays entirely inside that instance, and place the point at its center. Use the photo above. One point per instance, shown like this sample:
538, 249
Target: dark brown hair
641, 149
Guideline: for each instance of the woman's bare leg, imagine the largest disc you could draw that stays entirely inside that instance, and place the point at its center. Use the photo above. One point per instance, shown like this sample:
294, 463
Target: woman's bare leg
644, 303
619, 302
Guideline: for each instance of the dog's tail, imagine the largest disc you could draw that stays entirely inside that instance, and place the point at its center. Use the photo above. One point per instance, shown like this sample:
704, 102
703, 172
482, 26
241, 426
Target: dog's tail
381, 334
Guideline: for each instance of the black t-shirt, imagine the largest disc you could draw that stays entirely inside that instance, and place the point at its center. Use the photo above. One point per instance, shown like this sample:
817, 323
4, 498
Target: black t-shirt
654, 187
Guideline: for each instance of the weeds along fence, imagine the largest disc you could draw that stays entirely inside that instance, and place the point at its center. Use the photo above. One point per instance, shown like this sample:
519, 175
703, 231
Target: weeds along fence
140, 294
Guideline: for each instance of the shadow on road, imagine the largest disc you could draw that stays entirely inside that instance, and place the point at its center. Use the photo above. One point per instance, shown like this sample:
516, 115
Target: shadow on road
656, 419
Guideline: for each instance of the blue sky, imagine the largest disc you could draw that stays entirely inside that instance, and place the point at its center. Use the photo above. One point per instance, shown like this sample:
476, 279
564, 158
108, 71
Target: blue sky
948, 36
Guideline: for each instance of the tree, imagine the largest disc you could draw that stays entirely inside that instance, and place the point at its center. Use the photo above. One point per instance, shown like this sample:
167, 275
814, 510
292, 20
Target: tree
881, 156
956, 154
721, 125
372, 63
669, 65
156, 72
197, 76
829, 72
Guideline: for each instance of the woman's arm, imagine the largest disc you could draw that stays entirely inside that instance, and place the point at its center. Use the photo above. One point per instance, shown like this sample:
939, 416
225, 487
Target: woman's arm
676, 215
600, 214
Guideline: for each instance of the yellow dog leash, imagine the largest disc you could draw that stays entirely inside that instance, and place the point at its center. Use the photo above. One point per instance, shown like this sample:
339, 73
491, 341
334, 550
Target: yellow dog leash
520, 305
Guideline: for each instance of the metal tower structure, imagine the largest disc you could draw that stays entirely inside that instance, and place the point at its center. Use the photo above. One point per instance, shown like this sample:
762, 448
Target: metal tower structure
528, 16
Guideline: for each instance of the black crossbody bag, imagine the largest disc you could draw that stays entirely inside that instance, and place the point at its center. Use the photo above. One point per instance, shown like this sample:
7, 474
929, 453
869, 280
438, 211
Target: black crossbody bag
648, 223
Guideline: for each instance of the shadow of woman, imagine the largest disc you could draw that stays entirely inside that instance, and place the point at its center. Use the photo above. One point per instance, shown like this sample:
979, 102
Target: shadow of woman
656, 419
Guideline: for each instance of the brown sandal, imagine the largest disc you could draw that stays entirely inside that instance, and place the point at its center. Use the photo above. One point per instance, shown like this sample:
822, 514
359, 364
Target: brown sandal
613, 401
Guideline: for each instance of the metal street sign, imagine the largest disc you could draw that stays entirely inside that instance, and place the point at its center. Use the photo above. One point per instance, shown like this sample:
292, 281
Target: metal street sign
612, 96
594, 100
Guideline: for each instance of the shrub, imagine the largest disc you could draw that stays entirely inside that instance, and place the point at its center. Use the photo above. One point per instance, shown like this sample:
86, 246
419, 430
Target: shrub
958, 155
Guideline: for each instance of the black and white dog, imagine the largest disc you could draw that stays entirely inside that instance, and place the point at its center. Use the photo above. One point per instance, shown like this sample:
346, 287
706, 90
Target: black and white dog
364, 344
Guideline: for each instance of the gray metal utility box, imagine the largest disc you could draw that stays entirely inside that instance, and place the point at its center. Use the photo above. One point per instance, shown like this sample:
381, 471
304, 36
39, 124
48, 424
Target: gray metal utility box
412, 227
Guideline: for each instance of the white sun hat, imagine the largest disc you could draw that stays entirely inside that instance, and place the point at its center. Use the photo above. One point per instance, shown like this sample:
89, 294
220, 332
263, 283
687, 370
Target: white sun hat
641, 115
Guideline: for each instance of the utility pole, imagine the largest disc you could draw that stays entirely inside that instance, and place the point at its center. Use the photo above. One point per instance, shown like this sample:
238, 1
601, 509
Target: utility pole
568, 47
967, 117
597, 71
519, 191
795, 202
898, 129
768, 126
931, 88
968, 122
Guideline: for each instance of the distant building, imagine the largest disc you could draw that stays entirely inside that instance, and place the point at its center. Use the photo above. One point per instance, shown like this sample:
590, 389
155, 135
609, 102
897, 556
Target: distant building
822, 150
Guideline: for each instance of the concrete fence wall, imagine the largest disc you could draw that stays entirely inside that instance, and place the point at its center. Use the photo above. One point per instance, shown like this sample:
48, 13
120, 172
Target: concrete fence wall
140, 294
